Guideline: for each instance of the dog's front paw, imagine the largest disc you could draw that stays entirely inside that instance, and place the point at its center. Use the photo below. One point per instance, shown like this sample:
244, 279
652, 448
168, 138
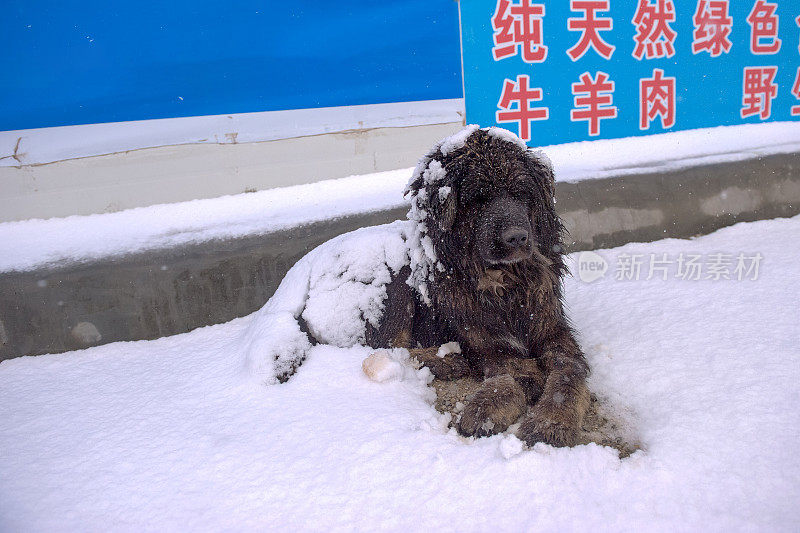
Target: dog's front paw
540, 426
497, 404
449, 367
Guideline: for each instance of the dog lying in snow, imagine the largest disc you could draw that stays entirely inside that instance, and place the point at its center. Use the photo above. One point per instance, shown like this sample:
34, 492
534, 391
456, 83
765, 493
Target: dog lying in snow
479, 262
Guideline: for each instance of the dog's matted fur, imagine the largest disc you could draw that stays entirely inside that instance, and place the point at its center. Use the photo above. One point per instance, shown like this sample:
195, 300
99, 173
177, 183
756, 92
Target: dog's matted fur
490, 279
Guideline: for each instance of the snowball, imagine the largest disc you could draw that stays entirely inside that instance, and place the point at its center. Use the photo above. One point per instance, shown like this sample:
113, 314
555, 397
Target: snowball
444, 192
435, 172
380, 367
448, 348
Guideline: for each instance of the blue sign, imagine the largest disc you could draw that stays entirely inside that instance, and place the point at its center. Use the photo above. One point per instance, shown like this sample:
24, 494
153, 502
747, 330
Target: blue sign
575, 70
70, 62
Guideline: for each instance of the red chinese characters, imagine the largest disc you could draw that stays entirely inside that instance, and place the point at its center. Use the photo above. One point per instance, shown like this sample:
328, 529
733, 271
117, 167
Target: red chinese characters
518, 26
764, 28
796, 92
590, 26
654, 35
593, 99
518, 31
758, 91
521, 94
712, 25
797, 20
656, 98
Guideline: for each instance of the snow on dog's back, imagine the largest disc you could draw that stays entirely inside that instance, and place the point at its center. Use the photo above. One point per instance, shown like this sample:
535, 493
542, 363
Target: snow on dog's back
336, 288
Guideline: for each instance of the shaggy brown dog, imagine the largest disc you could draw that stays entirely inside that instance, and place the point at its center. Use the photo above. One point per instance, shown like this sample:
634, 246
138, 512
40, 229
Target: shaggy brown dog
487, 209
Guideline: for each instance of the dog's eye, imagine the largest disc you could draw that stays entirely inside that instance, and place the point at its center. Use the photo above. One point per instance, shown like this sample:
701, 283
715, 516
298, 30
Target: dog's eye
524, 189
475, 195
481, 197
522, 195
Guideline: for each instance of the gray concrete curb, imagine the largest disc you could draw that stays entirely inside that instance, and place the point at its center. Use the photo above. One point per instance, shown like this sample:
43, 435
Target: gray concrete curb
153, 294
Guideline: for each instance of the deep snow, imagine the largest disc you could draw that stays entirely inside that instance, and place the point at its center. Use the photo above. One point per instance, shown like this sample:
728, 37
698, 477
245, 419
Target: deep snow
173, 434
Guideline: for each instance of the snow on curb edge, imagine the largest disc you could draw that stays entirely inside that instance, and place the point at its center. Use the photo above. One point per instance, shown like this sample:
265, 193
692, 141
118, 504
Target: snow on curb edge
30, 244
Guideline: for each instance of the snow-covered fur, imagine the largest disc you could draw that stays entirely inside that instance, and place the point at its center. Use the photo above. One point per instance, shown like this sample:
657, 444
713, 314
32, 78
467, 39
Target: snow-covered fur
478, 262
335, 290
329, 295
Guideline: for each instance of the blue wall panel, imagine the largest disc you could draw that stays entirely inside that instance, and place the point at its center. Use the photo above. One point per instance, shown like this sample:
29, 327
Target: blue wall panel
80, 62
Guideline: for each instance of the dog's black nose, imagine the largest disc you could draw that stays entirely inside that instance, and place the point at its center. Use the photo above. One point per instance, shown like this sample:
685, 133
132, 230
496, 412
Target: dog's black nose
515, 237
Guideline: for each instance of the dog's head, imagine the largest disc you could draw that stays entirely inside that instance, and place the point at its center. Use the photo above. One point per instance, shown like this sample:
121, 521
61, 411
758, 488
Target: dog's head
484, 195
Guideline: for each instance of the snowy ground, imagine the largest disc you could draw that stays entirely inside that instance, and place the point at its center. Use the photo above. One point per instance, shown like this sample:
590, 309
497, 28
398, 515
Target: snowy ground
171, 434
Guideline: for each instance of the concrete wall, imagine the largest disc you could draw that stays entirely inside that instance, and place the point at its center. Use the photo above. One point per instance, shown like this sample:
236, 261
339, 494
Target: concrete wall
176, 173
144, 296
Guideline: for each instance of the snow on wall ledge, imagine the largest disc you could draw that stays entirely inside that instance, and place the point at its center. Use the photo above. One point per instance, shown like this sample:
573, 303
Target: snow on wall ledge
46, 145
29, 244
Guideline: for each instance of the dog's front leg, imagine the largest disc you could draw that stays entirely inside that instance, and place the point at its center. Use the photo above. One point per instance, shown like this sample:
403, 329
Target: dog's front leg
557, 417
497, 404
510, 384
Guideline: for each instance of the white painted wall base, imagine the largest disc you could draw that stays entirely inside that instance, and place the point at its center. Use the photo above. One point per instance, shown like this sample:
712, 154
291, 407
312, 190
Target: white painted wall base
382, 137
150, 176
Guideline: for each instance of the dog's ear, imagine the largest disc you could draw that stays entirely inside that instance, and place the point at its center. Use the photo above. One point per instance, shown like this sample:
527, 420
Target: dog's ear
548, 226
540, 167
431, 189
447, 211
